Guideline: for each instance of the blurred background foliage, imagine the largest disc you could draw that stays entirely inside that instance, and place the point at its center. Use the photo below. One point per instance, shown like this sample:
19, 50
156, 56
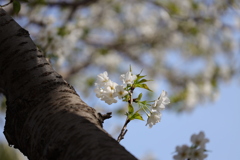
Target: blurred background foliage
188, 46
7, 153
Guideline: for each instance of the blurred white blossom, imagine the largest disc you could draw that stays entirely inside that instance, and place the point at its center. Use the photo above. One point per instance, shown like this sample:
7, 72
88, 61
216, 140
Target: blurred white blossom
198, 154
111, 60
182, 152
192, 95
197, 151
126, 30
199, 139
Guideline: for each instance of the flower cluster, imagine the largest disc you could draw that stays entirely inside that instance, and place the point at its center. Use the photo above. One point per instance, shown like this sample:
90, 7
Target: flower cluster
196, 151
107, 90
158, 105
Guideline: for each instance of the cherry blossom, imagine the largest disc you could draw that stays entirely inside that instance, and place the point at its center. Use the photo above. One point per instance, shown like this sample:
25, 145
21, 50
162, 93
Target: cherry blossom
120, 92
128, 78
160, 103
153, 118
182, 152
199, 139
102, 78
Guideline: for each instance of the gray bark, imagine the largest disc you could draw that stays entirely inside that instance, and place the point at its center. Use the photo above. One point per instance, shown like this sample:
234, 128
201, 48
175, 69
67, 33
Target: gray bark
45, 117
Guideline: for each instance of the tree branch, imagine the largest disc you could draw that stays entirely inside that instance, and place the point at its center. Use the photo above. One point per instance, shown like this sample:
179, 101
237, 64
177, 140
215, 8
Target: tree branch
71, 4
6, 4
45, 117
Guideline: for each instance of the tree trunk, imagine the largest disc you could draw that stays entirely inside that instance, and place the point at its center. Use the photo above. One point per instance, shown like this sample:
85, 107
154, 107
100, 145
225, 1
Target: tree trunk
45, 118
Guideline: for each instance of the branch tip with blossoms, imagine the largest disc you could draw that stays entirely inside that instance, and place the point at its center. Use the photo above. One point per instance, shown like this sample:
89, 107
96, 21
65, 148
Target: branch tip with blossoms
107, 90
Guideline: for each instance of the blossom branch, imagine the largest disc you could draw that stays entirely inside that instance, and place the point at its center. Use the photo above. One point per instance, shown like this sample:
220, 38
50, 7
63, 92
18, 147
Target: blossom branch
107, 90
123, 131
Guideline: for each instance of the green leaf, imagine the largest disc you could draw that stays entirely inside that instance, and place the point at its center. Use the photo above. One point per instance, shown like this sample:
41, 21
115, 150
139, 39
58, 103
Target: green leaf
138, 98
16, 6
193, 30
121, 111
126, 98
144, 80
139, 77
195, 5
117, 8
136, 116
86, 32
103, 51
136, 81
90, 81
62, 31
173, 8
181, 96
143, 102
130, 109
144, 86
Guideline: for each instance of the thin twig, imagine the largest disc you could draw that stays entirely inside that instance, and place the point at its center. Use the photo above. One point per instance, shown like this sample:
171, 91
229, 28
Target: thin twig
123, 131
6, 4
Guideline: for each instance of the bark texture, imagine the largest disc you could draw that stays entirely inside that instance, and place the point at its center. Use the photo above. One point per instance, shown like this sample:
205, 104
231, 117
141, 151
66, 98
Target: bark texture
45, 118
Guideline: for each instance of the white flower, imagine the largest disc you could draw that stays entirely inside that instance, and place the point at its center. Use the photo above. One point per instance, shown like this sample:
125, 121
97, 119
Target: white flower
109, 99
160, 103
198, 154
102, 78
128, 78
108, 96
199, 140
111, 85
154, 118
120, 92
182, 152
105, 89
99, 92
